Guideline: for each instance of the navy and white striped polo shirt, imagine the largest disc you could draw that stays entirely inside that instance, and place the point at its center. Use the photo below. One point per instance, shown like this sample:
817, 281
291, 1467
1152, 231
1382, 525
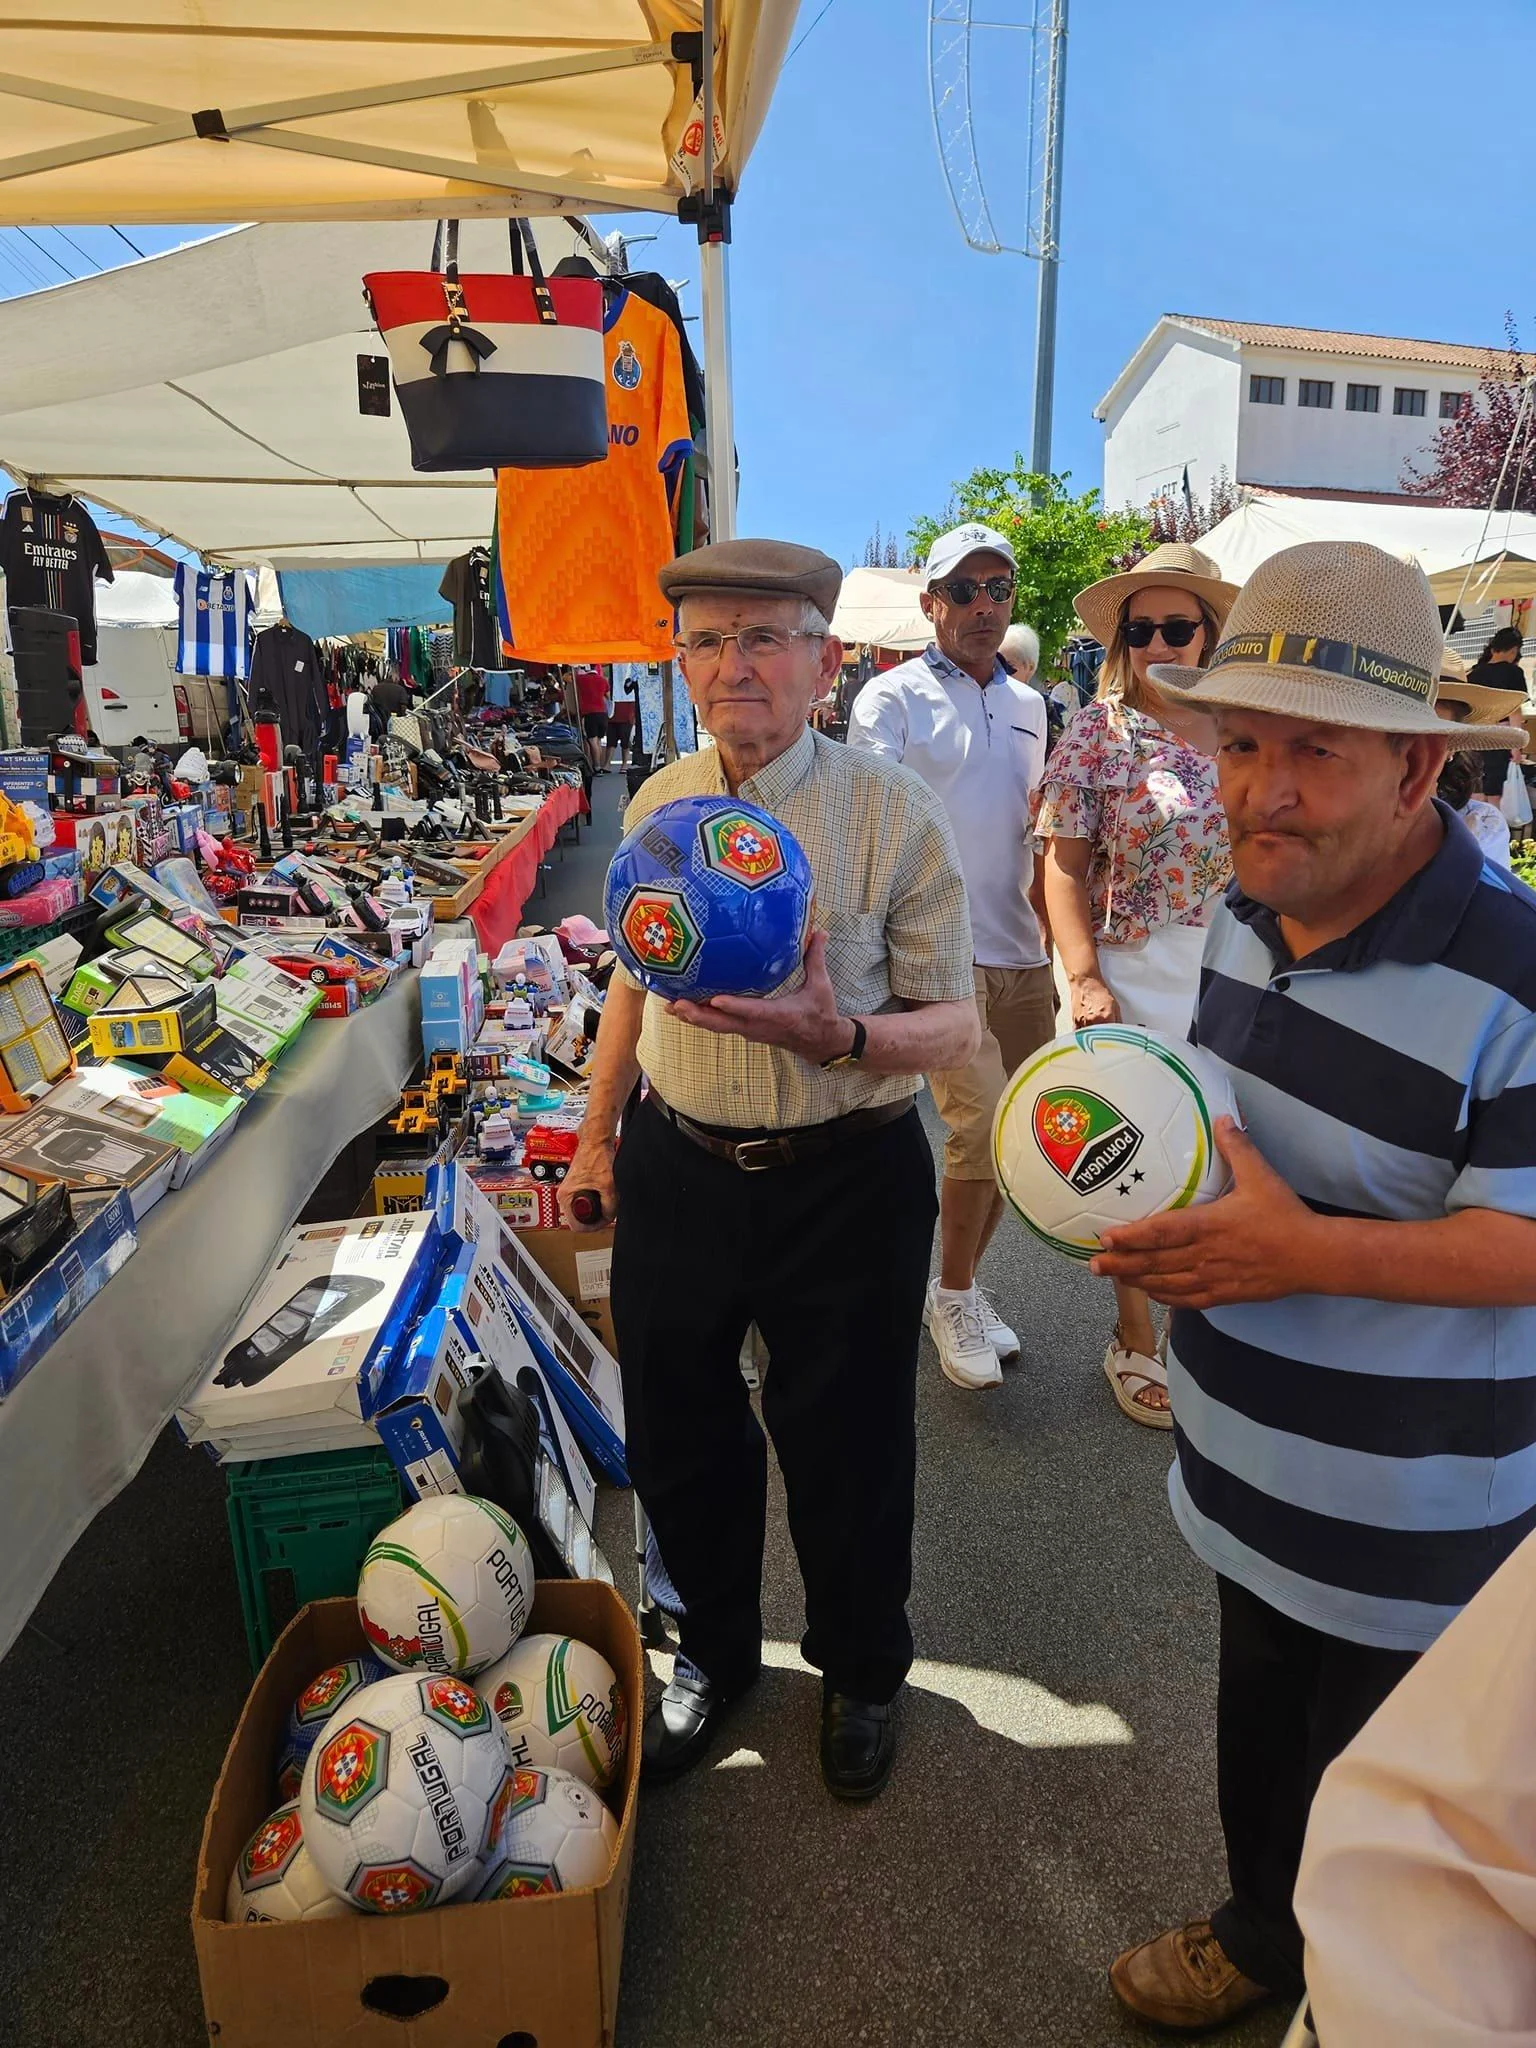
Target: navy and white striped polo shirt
1363, 1465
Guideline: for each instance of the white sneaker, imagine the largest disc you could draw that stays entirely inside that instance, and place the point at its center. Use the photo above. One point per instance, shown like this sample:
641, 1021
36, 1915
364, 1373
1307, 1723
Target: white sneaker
1000, 1335
959, 1334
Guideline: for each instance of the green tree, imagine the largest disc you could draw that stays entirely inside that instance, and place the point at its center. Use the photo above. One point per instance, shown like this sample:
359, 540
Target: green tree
1062, 543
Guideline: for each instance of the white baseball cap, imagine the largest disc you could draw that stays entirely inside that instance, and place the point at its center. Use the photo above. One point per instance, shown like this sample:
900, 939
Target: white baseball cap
951, 549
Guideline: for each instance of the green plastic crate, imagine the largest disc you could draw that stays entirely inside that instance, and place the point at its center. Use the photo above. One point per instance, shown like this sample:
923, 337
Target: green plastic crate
300, 1527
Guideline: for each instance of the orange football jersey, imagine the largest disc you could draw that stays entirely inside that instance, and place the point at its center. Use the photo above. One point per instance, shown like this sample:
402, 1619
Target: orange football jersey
579, 548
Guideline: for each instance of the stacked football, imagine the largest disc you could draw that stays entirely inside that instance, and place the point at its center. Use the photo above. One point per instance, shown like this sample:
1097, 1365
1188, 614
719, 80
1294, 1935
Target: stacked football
458, 1759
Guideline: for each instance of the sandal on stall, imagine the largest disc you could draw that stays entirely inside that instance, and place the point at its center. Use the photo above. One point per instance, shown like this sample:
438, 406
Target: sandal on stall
1130, 1373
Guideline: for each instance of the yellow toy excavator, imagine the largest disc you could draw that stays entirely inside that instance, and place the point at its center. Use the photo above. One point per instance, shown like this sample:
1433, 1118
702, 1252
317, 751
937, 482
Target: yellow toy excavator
20, 867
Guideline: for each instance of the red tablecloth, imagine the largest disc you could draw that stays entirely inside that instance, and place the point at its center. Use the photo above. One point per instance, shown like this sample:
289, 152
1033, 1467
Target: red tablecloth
498, 909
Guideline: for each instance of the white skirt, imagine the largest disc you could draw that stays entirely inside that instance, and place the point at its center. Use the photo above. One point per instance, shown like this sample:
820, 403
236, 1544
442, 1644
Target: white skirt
1156, 980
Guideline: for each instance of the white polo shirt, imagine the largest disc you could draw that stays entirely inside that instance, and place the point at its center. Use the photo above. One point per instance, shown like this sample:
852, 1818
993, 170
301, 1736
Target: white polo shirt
982, 753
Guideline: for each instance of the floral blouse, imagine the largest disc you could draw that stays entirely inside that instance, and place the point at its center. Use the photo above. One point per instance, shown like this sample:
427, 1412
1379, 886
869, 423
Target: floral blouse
1150, 805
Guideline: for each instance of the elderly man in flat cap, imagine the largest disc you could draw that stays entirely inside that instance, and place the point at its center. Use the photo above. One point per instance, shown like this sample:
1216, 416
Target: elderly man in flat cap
822, 1235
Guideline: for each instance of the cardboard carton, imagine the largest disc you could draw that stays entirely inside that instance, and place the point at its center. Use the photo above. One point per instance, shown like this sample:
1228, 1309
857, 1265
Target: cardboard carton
579, 1264
543, 1968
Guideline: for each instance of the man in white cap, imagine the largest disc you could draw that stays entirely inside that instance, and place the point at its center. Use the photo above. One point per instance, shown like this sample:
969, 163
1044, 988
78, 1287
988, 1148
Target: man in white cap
975, 733
1352, 1352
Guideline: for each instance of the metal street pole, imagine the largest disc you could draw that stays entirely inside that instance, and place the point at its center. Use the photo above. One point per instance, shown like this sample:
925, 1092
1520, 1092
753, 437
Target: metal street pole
1049, 241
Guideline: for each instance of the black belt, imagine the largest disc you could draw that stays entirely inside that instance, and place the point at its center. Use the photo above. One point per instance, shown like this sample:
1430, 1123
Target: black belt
756, 1152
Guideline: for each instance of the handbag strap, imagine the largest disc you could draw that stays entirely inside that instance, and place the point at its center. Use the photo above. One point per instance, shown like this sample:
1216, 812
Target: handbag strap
523, 249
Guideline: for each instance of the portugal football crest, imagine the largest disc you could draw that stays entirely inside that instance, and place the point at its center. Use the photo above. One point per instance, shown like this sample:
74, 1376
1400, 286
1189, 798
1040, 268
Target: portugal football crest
1085, 1138
350, 1769
659, 930
271, 1849
743, 848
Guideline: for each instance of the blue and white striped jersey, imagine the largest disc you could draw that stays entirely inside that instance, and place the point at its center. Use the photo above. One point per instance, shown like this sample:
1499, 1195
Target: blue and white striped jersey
1364, 1465
215, 622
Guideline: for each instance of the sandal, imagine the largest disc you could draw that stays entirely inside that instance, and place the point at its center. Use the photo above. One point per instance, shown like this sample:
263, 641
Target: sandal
1129, 1373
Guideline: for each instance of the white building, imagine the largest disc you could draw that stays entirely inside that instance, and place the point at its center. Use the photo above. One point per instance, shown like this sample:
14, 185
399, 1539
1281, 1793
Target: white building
1291, 408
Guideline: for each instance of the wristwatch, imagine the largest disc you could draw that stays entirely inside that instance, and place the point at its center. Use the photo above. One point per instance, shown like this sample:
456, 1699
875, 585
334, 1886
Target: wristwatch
855, 1051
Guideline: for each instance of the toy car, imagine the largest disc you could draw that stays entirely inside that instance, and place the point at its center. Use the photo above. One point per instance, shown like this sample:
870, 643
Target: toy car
550, 1146
326, 972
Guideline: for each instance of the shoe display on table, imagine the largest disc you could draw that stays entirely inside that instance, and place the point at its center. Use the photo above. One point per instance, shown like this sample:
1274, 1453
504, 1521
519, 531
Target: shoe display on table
1184, 1980
858, 1746
684, 1722
1001, 1336
959, 1332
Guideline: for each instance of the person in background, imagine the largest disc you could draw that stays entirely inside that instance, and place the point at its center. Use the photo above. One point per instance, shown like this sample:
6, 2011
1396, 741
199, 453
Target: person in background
1462, 701
1417, 1890
976, 735
1352, 1353
592, 702
1498, 668
1020, 653
777, 1173
1136, 854
621, 719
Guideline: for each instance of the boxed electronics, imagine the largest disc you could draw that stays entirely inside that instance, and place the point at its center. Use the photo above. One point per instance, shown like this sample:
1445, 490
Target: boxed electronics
44, 1306
543, 1968
452, 1003
118, 1096
339, 1297
52, 1144
579, 1263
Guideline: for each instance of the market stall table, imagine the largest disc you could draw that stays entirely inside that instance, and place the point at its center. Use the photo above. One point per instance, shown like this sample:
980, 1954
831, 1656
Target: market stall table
513, 869
81, 1423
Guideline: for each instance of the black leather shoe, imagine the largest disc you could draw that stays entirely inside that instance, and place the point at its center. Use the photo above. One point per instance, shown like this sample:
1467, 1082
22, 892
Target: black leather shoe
858, 1746
682, 1725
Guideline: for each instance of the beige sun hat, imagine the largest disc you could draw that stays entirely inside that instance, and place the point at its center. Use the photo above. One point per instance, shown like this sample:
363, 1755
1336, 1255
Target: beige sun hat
1338, 631
1175, 565
1484, 706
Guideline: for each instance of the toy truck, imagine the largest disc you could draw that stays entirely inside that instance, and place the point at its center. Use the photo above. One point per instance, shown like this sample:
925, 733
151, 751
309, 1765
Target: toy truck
550, 1146
20, 867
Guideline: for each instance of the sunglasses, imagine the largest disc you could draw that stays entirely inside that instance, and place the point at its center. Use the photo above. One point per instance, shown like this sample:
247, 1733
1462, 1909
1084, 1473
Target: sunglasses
964, 590
1175, 632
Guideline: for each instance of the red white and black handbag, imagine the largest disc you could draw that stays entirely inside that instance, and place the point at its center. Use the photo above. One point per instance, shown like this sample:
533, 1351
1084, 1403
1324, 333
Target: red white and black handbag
495, 372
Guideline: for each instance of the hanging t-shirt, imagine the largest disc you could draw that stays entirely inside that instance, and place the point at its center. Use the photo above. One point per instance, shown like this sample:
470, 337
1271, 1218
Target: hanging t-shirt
467, 586
578, 549
215, 614
52, 554
284, 662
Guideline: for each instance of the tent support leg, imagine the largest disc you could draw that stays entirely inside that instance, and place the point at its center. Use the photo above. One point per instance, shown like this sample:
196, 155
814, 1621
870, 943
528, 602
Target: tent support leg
719, 412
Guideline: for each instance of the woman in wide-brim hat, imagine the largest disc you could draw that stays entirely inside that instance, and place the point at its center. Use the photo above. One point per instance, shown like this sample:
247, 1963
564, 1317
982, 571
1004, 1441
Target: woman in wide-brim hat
1136, 853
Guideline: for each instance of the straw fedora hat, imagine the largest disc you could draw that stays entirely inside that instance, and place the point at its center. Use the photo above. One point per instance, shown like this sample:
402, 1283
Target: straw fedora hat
1338, 631
1174, 566
1484, 706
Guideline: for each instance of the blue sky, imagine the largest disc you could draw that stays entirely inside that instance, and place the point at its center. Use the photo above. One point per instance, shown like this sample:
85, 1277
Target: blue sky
1336, 165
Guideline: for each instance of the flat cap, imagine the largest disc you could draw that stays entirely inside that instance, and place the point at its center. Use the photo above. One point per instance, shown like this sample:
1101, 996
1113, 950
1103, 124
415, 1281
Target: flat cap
765, 568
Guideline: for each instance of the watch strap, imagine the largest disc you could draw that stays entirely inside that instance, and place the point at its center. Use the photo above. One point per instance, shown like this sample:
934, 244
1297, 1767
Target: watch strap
855, 1051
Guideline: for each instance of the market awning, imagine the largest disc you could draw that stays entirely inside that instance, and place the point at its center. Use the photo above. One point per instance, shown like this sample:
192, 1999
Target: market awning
879, 608
1445, 541
211, 394
264, 110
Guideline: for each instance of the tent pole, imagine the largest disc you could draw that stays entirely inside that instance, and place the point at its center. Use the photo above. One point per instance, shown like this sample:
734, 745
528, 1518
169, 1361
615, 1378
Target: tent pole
714, 224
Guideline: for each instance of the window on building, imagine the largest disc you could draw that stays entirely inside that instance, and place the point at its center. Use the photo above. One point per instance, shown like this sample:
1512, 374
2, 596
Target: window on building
1407, 403
1266, 391
1363, 398
1315, 391
1451, 403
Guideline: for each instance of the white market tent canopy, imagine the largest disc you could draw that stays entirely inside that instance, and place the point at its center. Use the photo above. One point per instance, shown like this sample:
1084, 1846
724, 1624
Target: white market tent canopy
210, 394
165, 110
879, 608
1443, 541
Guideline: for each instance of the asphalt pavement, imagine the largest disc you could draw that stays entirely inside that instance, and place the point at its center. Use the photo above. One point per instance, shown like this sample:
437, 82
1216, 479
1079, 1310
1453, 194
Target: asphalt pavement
1053, 1800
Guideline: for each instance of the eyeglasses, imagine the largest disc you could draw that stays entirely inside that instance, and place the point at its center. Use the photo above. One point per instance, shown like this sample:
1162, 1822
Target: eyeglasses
1175, 632
964, 590
755, 643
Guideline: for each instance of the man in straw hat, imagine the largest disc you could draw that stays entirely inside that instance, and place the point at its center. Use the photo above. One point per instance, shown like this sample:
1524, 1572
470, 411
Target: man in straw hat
777, 1174
1352, 1363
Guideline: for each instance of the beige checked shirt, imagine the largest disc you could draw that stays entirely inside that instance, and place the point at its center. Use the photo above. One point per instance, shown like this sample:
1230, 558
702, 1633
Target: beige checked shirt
890, 898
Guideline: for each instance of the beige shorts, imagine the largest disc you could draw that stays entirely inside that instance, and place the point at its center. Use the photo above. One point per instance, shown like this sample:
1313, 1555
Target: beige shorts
1018, 1013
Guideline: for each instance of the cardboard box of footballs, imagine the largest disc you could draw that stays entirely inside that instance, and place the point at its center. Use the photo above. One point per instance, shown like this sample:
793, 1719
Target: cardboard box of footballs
542, 1968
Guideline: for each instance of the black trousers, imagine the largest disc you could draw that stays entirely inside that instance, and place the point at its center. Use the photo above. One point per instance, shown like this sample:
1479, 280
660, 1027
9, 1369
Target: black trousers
830, 1260
1288, 1699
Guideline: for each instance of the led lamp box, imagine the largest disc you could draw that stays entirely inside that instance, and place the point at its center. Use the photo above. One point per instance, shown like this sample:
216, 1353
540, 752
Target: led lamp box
123, 881
54, 1144
34, 1053
218, 1060
151, 1014
120, 1097
41, 1308
165, 941
265, 1006
334, 1305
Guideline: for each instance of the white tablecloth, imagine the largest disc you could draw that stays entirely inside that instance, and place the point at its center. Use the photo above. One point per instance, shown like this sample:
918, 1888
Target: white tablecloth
81, 1423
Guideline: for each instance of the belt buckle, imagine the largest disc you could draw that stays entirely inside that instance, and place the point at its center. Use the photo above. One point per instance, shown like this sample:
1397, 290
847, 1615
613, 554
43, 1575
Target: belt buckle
748, 1154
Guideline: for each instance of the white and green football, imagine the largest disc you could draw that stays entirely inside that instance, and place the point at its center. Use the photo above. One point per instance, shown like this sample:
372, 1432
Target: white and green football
560, 1707
446, 1587
1109, 1125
